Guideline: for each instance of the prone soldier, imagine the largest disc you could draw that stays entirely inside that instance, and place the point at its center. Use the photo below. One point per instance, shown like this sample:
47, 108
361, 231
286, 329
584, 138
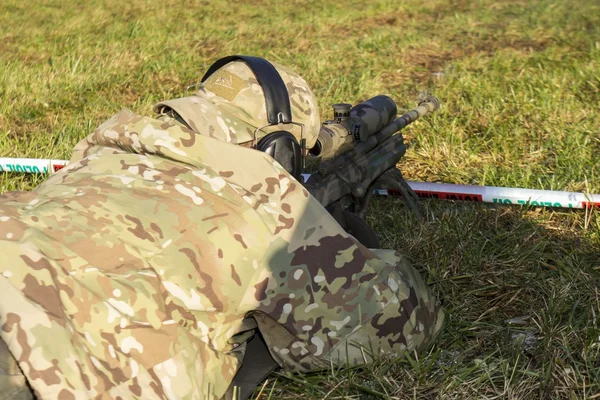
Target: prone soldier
181, 257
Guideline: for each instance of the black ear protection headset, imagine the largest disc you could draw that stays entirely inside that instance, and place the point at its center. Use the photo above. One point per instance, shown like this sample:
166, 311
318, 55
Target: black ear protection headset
281, 145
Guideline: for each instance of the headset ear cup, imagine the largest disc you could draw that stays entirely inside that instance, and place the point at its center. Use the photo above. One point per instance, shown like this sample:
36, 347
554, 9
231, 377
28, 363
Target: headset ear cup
285, 149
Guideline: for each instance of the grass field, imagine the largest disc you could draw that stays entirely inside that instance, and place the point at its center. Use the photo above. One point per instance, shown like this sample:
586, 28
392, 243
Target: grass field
520, 86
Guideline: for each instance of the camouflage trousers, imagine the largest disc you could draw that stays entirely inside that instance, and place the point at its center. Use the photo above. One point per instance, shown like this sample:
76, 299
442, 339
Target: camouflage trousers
13, 384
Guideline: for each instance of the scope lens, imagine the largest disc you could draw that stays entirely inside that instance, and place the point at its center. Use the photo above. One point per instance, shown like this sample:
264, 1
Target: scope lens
316, 150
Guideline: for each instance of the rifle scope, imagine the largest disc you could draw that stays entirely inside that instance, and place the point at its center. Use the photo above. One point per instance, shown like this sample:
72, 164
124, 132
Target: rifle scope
352, 125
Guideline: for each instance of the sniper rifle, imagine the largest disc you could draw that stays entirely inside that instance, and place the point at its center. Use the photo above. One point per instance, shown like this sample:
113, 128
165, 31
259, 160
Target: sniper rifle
355, 154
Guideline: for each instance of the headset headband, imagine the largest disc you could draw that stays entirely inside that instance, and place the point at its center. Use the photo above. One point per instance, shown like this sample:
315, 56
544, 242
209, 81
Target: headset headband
277, 99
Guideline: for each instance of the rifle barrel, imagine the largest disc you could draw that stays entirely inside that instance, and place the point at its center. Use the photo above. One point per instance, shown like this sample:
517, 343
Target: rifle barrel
425, 107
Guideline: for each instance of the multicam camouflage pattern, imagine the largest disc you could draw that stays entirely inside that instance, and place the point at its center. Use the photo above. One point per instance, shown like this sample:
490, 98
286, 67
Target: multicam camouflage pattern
142, 268
337, 136
230, 106
374, 113
359, 165
13, 384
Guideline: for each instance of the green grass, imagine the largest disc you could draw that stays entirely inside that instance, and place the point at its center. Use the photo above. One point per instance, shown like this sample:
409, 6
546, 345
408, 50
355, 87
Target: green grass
520, 86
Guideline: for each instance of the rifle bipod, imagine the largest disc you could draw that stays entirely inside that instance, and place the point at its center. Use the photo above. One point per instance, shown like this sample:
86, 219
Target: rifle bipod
392, 180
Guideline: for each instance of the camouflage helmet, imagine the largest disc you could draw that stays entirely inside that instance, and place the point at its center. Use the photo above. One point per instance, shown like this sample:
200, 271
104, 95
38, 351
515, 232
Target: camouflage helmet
230, 106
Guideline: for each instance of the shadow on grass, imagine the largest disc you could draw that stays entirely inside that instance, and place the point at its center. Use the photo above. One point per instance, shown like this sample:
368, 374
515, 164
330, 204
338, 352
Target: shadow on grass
520, 288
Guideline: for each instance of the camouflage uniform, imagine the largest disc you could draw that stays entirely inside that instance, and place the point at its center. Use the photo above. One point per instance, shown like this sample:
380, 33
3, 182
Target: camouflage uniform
142, 269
